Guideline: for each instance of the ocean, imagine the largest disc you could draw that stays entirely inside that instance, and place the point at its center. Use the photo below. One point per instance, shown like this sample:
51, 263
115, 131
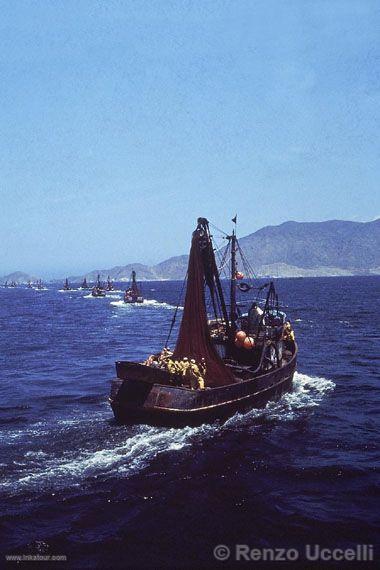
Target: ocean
73, 483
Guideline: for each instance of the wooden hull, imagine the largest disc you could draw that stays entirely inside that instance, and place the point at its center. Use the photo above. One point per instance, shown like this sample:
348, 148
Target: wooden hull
142, 396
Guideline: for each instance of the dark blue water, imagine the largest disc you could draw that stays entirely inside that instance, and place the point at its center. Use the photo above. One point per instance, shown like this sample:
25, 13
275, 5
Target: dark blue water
304, 470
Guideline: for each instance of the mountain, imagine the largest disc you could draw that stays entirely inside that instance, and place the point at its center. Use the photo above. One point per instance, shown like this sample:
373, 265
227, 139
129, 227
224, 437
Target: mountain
120, 273
291, 249
172, 268
324, 247
19, 277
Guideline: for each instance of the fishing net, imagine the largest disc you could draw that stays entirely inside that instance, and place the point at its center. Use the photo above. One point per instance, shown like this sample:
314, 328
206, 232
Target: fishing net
194, 338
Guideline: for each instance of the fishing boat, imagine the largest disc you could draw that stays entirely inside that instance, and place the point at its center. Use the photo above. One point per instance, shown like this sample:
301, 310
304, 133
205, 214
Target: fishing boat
109, 284
84, 284
29, 285
247, 358
66, 285
98, 289
133, 293
39, 285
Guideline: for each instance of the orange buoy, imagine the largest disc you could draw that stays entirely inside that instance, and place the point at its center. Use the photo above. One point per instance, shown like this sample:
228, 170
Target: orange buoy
249, 343
239, 275
240, 336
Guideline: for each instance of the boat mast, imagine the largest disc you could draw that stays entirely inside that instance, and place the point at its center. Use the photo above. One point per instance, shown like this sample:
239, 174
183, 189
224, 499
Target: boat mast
233, 282
215, 271
134, 287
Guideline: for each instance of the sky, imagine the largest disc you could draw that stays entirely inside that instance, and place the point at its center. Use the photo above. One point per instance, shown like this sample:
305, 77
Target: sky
123, 121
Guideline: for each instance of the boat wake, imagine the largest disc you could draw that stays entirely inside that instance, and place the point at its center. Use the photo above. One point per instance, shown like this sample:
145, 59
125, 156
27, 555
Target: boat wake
91, 296
307, 393
124, 451
147, 303
105, 450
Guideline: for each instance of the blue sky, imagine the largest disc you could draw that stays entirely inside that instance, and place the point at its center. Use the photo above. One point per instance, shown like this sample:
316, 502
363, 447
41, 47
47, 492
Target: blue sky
122, 122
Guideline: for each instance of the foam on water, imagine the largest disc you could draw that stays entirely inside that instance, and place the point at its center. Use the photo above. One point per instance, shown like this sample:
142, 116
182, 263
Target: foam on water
90, 296
308, 391
124, 451
42, 471
147, 303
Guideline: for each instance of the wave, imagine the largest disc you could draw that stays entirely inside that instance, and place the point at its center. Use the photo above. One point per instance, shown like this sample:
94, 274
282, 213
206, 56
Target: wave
307, 393
90, 296
125, 458
146, 303
346, 323
16, 407
112, 295
132, 455
126, 450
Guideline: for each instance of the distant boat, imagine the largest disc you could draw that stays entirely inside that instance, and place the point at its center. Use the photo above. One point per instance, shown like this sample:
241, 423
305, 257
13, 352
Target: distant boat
12, 284
133, 293
84, 284
66, 285
98, 290
29, 285
109, 286
39, 285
